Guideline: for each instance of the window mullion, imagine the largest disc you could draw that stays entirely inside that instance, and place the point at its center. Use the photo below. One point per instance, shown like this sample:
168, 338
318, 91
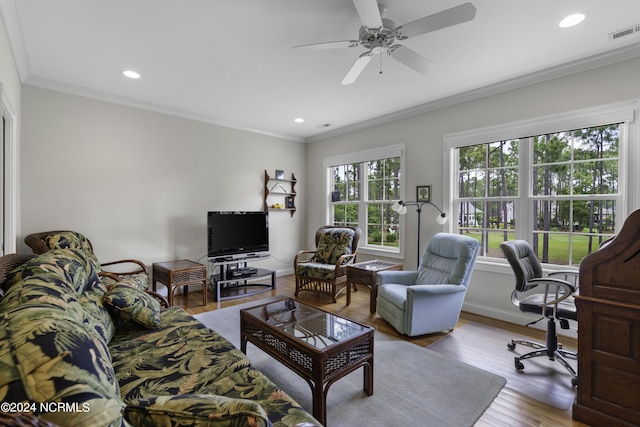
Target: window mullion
524, 212
364, 200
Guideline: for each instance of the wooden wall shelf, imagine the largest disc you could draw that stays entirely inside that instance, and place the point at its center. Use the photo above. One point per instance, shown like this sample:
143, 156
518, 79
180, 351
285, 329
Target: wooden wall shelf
280, 194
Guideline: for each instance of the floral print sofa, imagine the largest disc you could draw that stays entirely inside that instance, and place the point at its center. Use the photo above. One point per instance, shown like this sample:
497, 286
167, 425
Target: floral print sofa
80, 354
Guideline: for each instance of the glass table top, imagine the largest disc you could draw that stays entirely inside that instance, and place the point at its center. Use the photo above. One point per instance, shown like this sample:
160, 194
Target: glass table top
316, 327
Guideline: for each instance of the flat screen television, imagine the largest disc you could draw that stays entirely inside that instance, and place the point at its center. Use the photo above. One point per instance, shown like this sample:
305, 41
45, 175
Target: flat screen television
235, 233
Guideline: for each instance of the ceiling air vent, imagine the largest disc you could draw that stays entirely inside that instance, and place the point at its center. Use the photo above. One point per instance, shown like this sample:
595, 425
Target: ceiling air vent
635, 29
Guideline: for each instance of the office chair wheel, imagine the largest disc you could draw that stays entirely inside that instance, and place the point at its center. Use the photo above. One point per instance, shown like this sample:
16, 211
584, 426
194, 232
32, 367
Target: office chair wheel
519, 365
511, 345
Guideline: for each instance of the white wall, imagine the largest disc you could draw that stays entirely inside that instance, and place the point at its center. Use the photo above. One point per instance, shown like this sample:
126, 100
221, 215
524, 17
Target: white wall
423, 136
8, 72
138, 184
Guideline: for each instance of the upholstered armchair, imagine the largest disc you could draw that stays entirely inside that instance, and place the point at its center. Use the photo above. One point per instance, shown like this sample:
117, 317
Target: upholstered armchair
324, 270
429, 300
131, 271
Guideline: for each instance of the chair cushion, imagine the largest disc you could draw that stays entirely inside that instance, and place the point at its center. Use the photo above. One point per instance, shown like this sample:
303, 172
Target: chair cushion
314, 270
49, 356
64, 278
333, 243
448, 259
395, 294
196, 410
68, 240
128, 303
74, 266
180, 356
533, 304
523, 261
136, 280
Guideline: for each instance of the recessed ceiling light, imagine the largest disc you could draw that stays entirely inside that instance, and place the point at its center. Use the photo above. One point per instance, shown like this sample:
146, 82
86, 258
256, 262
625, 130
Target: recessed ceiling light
572, 20
298, 120
131, 74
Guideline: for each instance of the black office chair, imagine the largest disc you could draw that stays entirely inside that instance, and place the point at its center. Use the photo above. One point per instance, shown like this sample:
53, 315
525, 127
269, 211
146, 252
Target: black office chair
549, 296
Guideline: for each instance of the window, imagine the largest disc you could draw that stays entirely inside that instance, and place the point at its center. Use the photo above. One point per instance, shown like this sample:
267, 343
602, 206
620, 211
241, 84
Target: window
561, 190
362, 187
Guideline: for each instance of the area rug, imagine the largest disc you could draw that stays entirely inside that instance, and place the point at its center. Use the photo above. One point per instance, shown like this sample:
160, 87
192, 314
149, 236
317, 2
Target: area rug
412, 385
486, 348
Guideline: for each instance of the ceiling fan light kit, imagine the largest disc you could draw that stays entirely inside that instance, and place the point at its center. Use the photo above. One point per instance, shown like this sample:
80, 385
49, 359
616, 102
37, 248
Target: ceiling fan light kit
378, 35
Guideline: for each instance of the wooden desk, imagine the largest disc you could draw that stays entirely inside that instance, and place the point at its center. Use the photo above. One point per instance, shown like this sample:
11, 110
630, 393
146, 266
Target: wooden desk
183, 272
365, 273
609, 332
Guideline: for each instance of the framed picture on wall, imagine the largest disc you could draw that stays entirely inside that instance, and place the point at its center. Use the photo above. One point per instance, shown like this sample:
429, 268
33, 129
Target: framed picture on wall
279, 174
423, 193
288, 202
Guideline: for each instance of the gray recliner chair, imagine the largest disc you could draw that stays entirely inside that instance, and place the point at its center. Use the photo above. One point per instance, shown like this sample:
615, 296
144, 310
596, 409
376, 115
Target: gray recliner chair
429, 300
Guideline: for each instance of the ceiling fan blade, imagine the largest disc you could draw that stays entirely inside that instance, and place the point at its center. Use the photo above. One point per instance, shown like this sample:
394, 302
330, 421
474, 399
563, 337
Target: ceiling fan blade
327, 45
411, 59
447, 18
357, 68
369, 13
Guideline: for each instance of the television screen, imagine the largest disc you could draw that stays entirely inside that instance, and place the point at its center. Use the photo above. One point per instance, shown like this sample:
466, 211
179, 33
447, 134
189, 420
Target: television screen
237, 232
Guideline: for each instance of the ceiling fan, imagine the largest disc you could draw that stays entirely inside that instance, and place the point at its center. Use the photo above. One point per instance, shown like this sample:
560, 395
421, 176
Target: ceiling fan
378, 35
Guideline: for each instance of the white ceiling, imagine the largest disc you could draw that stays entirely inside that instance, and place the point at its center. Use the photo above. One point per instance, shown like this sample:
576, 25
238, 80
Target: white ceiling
230, 62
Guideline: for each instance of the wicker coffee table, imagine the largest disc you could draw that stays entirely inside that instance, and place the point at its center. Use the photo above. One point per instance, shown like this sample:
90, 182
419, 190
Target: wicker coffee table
317, 345
365, 273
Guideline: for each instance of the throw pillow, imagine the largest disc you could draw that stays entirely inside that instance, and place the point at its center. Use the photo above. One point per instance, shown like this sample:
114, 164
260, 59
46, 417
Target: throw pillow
128, 303
68, 240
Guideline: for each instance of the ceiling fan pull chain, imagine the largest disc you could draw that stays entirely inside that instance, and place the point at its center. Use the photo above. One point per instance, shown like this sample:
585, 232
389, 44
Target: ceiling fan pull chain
380, 64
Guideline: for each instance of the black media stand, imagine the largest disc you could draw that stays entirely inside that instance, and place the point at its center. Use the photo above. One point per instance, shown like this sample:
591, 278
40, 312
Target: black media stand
233, 278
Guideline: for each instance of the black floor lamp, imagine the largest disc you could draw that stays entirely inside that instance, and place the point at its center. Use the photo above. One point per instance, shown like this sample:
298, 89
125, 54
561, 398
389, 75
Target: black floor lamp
401, 208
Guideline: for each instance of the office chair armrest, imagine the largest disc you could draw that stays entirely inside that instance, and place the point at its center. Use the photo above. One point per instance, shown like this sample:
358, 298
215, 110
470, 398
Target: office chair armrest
552, 281
397, 277
571, 276
547, 282
566, 273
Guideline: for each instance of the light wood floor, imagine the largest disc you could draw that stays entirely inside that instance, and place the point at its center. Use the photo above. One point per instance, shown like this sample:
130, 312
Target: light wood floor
508, 409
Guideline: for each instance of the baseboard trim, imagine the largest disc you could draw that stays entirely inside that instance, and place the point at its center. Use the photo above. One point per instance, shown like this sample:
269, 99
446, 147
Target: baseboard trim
516, 319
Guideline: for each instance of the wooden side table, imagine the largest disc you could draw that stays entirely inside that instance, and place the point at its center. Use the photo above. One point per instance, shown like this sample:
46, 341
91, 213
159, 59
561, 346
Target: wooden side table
365, 273
180, 273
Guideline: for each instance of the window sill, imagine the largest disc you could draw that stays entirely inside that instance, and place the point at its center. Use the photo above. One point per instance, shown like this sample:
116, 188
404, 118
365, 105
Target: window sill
497, 265
378, 252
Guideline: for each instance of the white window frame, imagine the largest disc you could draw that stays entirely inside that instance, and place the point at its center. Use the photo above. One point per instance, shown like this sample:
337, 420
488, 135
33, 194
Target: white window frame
623, 112
397, 150
9, 158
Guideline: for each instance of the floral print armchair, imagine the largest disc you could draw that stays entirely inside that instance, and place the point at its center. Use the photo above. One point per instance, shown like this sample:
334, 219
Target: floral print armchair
324, 270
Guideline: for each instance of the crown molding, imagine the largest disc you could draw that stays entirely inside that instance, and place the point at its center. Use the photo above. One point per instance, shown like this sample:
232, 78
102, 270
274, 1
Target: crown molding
575, 67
